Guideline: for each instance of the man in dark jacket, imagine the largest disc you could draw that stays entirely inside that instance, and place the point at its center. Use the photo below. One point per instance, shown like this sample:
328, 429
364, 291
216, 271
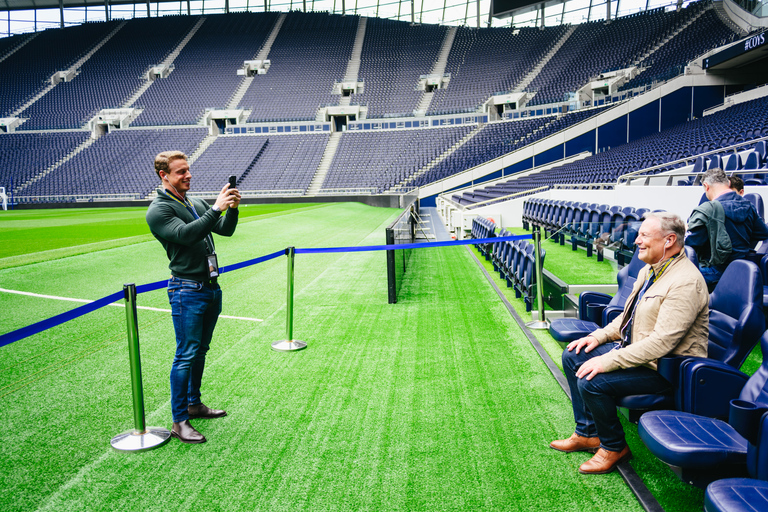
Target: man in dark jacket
183, 226
723, 229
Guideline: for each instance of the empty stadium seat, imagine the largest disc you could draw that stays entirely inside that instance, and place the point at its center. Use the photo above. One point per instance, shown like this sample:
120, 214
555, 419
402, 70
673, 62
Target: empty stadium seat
702, 449
736, 321
597, 309
745, 494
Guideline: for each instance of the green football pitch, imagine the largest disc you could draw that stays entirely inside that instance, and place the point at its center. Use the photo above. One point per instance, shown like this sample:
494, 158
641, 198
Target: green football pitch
438, 402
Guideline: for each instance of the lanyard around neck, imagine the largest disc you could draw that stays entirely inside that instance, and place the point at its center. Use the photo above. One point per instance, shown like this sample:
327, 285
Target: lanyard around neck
189, 206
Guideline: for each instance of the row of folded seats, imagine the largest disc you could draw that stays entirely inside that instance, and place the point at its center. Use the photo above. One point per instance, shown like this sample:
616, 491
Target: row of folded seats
712, 427
514, 260
590, 225
753, 160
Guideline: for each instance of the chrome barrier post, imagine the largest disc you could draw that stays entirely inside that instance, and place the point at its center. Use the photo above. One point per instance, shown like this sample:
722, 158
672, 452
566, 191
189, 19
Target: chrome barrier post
542, 323
140, 438
289, 344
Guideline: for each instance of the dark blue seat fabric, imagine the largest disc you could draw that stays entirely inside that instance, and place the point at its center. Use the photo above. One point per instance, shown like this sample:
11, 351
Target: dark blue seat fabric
757, 202
688, 440
569, 329
736, 495
736, 318
745, 494
708, 447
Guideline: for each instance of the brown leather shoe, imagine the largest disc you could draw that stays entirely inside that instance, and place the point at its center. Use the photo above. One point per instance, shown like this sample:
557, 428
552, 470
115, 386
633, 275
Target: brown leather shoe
203, 411
186, 433
576, 443
605, 461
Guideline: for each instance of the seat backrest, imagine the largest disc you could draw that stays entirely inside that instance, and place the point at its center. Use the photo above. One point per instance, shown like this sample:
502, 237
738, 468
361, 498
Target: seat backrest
752, 161
691, 253
756, 388
736, 318
633, 221
757, 202
731, 162
626, 279
760, 149
714, 162
698, 165
756, 391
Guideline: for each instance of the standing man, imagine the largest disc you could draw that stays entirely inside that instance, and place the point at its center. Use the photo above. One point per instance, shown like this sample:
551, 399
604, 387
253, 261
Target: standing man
183, 226
724, 228
667, 313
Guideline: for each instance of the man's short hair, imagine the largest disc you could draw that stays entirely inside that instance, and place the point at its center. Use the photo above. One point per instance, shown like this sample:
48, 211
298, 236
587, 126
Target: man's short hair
737, 183
669, 223
164, 159
716, 176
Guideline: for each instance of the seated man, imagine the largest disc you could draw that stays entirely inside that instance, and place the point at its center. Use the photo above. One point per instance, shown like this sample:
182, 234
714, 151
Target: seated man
667, 313
723, 229
737, 184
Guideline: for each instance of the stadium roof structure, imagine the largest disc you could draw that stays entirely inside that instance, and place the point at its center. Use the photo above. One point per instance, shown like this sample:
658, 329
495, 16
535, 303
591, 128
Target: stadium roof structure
34, 15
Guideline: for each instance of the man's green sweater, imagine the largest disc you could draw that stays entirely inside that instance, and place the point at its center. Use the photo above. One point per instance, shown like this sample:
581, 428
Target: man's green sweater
183, 237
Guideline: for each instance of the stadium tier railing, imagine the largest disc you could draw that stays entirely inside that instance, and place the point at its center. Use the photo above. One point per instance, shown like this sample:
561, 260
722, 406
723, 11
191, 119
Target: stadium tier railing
654, 172
75, 198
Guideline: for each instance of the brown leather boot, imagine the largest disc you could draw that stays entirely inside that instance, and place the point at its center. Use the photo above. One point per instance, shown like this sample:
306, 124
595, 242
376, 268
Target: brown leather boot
203, 411
605, 461
186, 433
576, 443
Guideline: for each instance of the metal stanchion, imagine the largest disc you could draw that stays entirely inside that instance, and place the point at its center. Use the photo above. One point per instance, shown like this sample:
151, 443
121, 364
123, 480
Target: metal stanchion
140, 438
542, 322
289, 344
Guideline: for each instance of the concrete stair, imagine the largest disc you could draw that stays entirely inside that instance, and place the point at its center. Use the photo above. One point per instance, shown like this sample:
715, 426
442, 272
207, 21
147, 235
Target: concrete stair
19, 46
531, 76
55, 166
439, 67
325, 164
440, 158
353, 66
167, 62
73, 67
263, 54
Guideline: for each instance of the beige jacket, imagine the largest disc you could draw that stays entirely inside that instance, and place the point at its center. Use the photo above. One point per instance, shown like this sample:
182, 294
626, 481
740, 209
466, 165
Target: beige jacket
671, 319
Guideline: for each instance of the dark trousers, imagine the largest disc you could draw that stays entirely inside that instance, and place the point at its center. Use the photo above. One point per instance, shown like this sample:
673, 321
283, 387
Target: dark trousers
594, 401
195, 310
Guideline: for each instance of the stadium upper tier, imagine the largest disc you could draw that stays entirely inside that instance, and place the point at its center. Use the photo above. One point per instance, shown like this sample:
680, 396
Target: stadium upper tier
108, 64
171, 73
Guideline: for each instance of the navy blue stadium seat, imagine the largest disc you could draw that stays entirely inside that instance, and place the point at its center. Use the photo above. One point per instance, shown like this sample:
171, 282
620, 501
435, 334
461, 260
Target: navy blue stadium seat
745, 494
597, 309
736, 321
701, 449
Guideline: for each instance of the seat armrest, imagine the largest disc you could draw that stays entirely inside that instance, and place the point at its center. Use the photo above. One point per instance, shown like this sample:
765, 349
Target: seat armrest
745, 418
706, 387
592, 303
669, 368
610, 313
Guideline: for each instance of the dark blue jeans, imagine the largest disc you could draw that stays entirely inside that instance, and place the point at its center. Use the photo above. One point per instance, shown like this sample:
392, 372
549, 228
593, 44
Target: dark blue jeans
195, 310
594, 401
711, 275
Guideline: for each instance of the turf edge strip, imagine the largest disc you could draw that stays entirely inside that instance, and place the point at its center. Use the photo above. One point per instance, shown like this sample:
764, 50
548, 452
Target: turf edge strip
646, 499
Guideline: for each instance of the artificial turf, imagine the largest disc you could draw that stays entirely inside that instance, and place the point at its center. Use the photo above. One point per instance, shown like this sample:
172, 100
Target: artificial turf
438, 402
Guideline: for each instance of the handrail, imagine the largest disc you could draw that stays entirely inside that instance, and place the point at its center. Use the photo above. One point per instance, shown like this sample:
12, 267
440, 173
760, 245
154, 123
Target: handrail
644, 173
509, 196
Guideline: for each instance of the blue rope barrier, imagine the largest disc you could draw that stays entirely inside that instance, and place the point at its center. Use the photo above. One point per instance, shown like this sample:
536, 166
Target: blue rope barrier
44, 325
422, 245
248, 263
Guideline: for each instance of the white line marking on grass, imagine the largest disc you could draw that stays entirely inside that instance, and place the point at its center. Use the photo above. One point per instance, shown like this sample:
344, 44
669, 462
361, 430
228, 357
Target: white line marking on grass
85, 301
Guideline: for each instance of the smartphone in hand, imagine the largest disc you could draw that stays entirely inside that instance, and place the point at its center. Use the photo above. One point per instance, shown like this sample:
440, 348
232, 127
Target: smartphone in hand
232, 182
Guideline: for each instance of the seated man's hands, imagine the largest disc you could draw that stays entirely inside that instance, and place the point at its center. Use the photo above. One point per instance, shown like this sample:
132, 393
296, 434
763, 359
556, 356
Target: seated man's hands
591, 367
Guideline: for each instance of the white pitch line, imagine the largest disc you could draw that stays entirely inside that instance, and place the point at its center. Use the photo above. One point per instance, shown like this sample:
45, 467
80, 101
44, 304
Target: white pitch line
85, 301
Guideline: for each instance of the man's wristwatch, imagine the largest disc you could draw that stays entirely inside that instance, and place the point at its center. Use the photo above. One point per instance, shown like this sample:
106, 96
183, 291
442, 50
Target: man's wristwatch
216, 209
